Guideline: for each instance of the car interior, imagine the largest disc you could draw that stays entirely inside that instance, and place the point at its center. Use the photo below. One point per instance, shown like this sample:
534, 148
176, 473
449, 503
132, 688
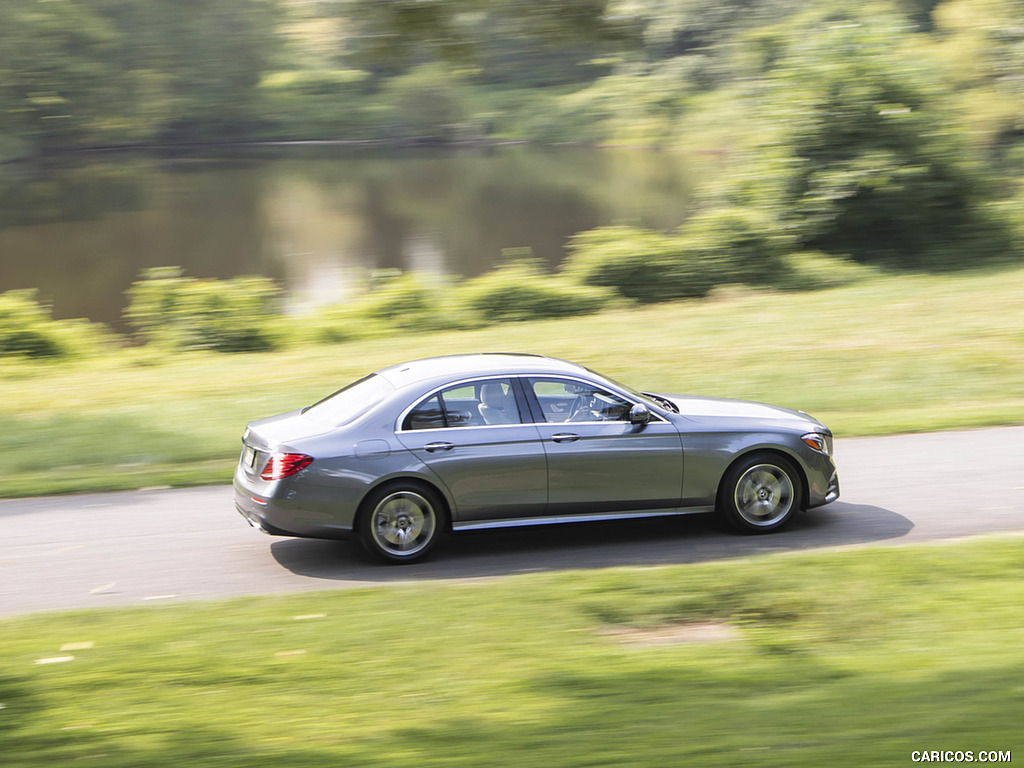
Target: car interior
493, 401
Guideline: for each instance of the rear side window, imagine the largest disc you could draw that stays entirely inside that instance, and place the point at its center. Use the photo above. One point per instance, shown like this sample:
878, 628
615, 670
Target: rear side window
350, 402
426, 415
480, 403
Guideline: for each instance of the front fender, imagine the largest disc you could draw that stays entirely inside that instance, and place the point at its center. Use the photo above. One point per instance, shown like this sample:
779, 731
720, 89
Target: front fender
707, 457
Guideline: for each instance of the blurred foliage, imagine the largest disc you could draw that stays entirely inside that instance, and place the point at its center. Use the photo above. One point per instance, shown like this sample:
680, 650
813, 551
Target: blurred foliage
522, 291
716, 247
814, 270
27, 330
397, 34
394, 303
890, 133
734, 245
235, 315
409, 303
98, 71
870, 166
426, 101
241, 315
856, 143
318, 103
639, 264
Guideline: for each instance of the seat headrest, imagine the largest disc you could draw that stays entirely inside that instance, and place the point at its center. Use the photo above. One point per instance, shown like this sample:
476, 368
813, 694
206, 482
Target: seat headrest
492, 395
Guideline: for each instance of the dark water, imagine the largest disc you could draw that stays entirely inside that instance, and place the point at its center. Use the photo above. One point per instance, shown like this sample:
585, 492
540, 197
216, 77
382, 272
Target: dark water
316, 220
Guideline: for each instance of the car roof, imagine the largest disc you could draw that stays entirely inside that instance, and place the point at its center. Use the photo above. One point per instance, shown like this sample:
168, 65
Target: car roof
482, 364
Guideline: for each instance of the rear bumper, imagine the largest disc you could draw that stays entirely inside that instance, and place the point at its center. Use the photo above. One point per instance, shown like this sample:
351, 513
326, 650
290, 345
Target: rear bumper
271, 507
258, 521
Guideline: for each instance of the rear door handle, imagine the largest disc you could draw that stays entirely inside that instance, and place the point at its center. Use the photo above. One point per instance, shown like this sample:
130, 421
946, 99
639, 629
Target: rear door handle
441, 446
565, 437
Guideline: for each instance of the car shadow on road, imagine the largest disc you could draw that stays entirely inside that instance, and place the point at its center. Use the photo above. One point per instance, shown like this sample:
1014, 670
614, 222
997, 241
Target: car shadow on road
655, 541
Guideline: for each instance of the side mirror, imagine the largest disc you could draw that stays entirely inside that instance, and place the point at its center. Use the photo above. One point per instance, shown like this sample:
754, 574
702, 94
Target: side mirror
639, 414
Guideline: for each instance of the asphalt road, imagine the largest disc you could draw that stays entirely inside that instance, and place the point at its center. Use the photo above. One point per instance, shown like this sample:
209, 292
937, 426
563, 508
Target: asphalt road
159, 547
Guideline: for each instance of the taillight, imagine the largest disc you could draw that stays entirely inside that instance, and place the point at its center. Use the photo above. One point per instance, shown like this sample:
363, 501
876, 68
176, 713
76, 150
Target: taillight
283, 465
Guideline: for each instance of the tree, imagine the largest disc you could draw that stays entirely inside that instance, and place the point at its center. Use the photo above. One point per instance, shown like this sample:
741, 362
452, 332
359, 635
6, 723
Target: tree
59, 80
857, 154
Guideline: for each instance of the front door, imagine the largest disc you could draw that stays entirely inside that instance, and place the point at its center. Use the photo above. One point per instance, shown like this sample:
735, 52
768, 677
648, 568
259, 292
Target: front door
597, 460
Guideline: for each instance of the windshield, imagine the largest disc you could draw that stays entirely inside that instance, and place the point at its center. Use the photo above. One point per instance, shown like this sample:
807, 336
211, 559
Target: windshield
351, 401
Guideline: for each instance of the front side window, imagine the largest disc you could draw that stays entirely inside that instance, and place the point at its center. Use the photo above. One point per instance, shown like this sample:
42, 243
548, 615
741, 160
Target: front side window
565, 400
470, 404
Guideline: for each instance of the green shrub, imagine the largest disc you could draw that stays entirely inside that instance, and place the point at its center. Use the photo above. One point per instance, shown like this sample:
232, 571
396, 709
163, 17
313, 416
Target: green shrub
732, 245
225, 315
521, 291
23, 326
27, 330
407, 302
715, 247
639, 264
813, 270
428, 101
318, 103
395, 302
635, 106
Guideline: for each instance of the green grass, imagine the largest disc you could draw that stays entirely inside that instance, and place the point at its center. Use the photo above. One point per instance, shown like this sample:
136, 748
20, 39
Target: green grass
841, 658
886, 355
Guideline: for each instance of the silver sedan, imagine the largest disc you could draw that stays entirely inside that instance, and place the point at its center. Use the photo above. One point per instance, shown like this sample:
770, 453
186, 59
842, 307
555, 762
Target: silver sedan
466, 442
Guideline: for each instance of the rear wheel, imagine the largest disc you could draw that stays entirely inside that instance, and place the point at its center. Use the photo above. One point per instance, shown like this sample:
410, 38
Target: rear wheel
401, 522
760, 494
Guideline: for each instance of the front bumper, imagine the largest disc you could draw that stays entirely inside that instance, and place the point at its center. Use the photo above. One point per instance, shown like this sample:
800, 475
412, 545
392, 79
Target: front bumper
823, 492
832, 493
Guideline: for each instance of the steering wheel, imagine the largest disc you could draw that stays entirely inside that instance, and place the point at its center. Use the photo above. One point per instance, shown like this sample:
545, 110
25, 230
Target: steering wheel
580, 409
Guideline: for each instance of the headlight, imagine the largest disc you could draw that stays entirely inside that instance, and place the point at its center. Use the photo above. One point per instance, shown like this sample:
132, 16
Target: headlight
818, 442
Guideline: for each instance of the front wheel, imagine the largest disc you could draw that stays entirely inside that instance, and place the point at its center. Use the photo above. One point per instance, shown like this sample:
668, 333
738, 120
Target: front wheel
401, 523
760, 494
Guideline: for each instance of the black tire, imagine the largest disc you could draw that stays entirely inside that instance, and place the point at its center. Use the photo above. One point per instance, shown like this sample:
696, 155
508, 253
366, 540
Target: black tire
760, 493
402, 522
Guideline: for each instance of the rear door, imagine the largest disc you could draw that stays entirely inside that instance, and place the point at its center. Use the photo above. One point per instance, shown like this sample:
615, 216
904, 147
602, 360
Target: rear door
473, 436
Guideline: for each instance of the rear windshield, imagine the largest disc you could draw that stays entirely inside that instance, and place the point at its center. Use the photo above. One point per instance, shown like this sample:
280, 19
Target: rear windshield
351, 401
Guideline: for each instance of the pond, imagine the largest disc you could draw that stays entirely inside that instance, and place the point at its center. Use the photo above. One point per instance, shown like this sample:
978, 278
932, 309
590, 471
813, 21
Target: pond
318, 220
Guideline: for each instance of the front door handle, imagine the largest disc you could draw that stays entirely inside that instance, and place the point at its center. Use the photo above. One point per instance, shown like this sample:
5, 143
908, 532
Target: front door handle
565, 437
441, 446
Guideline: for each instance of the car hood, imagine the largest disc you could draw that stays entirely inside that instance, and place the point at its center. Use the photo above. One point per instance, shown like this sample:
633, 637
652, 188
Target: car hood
714, 409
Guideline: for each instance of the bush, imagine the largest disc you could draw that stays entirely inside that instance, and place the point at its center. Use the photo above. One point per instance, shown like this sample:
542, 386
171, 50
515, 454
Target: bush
814, 270
427, 102
718, 246
27, 330
636, 106
395, 303
732, 245
406, 302
639, 264
521, 291
318, 103
225, 315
